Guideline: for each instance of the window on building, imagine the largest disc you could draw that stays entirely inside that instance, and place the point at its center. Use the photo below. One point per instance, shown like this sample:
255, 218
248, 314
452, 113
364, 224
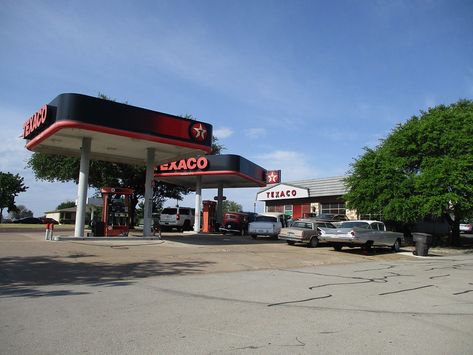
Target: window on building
333, 208
279, 209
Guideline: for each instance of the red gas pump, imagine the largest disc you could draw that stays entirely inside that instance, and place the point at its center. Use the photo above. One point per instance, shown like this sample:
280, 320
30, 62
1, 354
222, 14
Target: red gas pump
208, 216
116, 210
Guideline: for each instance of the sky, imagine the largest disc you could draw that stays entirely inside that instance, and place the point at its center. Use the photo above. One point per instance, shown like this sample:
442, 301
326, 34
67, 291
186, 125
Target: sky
301, 86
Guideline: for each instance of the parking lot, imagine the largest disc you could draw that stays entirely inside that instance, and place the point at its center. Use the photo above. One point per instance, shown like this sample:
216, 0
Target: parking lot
214, 294
29, 258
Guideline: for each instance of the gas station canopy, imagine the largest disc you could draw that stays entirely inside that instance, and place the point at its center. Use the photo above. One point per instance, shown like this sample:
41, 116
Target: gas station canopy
119, 133
226, 170
93, 128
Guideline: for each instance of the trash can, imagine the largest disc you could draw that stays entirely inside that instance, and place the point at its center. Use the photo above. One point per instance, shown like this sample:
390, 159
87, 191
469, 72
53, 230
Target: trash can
422, 243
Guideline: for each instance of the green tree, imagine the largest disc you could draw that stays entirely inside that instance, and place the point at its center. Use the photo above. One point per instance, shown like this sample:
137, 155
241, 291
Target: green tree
10, 186
66, 204
231, 206
20, 212
423, 168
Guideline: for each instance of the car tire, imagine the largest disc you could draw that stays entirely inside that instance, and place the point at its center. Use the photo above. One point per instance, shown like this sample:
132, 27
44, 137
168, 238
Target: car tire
187, 225
337, 247
314, 241
396, 246
253, 236
367, 247
290, 242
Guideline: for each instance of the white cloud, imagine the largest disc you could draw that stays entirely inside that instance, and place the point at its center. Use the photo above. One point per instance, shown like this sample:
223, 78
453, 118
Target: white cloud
255, 133
293, 165
223, 132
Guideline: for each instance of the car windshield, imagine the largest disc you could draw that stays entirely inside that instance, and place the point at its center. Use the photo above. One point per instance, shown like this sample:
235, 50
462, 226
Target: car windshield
232, 216
354, 224
325, 216
169, 211
266, 219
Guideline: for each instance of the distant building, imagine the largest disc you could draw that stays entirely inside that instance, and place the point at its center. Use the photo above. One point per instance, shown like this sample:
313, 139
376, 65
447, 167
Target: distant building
307, 197
64, 215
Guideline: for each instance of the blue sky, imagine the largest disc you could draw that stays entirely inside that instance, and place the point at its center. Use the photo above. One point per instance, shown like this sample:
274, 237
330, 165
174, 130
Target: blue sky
300, 86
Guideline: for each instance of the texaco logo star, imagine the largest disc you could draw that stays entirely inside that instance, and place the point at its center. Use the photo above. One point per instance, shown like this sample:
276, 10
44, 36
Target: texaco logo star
198, 132
272, 178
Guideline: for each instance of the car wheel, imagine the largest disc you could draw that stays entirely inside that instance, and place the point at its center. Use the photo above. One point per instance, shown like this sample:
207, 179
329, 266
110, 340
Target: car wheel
337, 247
290, 242
367, 246
314, 241
253, 236
396, 246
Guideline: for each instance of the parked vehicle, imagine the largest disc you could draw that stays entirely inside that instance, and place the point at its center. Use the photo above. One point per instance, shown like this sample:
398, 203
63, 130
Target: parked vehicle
363, 233
268, 224
466, 227
28, 220
235, 222
305, 231
180, 218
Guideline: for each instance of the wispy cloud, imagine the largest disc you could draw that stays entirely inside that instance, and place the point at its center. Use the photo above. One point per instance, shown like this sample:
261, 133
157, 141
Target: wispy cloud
222, 133
255, 133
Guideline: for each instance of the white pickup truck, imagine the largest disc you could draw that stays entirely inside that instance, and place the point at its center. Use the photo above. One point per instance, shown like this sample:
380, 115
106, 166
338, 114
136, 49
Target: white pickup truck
363, 234
267, 224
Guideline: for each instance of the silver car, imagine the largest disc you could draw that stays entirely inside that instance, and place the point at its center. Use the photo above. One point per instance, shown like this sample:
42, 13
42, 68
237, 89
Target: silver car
363, 234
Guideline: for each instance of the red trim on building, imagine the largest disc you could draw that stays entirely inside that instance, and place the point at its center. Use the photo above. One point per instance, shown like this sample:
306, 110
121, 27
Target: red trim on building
219, 172
57, 126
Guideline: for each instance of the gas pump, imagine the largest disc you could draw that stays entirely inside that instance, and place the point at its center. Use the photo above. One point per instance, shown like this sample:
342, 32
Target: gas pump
116, 210
208, 216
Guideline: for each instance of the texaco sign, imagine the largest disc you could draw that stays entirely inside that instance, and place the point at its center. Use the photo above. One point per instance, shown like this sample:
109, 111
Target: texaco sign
281, 192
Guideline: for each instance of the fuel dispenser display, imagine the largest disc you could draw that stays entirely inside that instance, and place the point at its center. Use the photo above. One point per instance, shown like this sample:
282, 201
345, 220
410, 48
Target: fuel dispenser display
116, 211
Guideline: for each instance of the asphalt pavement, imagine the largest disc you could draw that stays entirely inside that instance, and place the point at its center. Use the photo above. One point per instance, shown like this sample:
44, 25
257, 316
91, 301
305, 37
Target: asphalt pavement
191, 295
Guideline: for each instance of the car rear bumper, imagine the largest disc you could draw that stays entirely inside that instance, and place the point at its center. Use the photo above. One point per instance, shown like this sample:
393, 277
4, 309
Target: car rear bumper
292, 239
348, 241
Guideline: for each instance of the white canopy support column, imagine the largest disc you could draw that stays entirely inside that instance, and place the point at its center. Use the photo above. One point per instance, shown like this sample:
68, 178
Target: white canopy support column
82, 188
148, 208
198, 203
220, 204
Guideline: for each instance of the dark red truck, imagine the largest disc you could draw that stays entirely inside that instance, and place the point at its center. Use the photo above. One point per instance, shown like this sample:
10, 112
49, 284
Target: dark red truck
236, 222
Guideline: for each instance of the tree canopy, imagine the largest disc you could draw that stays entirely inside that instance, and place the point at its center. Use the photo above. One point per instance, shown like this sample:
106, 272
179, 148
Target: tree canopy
20, 212
422, 169
66, 204
231, 206
10, 186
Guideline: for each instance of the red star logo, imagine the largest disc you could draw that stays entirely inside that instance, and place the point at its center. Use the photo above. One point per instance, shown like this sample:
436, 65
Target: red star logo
198, 132
272, 177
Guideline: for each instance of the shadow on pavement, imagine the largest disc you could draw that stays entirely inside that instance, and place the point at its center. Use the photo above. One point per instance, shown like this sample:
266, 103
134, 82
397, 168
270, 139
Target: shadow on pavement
20, 275
217, 239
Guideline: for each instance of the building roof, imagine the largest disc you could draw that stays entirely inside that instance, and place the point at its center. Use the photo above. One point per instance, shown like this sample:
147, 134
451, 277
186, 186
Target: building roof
330, 186
69, 209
